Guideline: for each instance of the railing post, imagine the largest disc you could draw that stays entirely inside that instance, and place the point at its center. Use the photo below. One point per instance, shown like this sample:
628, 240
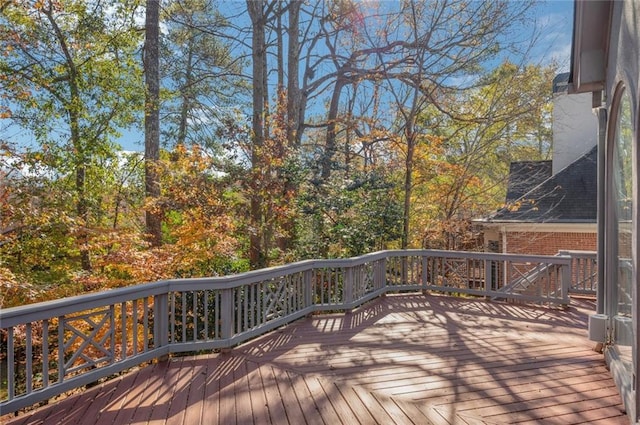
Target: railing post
425, 273
161, 322
348, 289
308, 288
379, 273
488, 278
565, 273
226, 314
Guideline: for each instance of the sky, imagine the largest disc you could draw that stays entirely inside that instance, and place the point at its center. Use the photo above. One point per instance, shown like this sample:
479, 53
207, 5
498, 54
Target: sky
553, 18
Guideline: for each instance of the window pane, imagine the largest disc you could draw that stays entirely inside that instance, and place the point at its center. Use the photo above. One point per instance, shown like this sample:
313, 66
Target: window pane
623, 190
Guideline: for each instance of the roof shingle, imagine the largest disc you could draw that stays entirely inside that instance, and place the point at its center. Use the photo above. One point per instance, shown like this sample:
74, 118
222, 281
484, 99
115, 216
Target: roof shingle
568, 196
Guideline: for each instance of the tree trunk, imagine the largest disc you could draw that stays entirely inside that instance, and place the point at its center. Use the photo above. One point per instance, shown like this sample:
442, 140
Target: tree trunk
290, 188
258, 55
293, 74
408, 184
82, 207
186, 97
153, 214
330, 143
74, 106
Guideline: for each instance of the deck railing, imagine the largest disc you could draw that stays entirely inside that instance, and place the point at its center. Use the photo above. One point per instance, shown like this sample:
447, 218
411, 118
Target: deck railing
584, 271
52, 347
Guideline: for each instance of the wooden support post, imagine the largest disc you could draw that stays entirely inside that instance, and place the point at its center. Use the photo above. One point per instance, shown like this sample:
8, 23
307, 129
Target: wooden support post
226, 316
307, 284
425, 273
565, 275
161, 323
348, 289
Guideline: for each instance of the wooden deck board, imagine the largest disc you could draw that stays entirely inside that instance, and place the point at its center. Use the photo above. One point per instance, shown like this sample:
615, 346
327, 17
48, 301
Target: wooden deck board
227, 411
299, 390
211, 401
289, 398
323, 400
154, 387
258, 398
406, 359
193, 410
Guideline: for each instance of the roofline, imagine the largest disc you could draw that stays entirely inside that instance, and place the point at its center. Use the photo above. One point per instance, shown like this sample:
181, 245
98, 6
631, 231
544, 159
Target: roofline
589, 45
557, 227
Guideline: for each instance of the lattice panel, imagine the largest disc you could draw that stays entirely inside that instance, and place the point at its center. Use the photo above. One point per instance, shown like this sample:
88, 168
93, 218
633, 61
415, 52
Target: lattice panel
283, 296
364, 279
455, 272
88, 340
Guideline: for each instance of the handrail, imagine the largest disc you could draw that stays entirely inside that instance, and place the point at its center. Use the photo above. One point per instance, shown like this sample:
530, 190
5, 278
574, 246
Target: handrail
55, 346
39, 311
584, 271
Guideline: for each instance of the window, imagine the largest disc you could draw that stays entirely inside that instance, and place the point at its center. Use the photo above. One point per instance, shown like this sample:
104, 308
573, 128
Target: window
622, 210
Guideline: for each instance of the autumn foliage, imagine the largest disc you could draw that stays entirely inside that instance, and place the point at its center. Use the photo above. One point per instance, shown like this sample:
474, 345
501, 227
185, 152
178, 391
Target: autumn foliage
320, 129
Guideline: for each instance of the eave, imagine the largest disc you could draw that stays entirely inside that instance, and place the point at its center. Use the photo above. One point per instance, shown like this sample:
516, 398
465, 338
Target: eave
591, 25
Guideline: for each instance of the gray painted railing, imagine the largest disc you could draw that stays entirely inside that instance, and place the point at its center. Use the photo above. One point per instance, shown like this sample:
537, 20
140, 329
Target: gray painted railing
56, 346
584, 271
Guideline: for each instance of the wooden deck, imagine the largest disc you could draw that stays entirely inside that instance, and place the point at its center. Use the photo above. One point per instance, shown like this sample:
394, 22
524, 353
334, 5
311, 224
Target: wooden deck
407, 359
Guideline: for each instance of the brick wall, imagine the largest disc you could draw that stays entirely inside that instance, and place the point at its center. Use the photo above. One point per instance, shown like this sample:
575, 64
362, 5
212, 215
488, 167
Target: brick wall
549, 243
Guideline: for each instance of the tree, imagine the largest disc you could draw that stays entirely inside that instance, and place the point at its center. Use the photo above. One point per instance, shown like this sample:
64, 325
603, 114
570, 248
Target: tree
152, 120
507, 118
202, 79
69, 75
258, 17
445, 41
201, 215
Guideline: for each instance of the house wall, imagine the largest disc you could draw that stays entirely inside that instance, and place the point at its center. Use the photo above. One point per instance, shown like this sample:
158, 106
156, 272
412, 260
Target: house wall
623, 67
548, 243
574, 128
540, 238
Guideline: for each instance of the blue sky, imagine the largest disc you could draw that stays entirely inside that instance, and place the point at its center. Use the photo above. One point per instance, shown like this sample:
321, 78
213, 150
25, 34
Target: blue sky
553, 18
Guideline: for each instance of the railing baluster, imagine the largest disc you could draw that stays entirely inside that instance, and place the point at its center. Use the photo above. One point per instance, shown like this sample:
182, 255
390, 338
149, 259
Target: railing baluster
112, 332
205, 301
173, 317
11, 372
123, 326
195, 315
253, 291
60, 349
259, 298
134, 326
183, 297
29, 359
45, 353
246, 324
238, 310
320, 283
218, 315
145, 321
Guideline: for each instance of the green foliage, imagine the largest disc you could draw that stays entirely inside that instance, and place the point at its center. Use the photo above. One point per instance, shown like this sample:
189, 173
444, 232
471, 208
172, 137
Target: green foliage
349, 217
203, 81
507, 118
72, 206
69, 59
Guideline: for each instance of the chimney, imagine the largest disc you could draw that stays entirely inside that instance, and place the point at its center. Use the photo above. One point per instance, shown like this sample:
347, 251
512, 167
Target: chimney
575, 127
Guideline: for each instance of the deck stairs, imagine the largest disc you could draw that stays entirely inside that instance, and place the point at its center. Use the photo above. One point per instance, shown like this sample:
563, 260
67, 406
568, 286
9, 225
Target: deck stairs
525, 282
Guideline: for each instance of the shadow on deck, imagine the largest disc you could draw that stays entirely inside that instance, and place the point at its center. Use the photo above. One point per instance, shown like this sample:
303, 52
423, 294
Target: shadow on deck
406, 359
